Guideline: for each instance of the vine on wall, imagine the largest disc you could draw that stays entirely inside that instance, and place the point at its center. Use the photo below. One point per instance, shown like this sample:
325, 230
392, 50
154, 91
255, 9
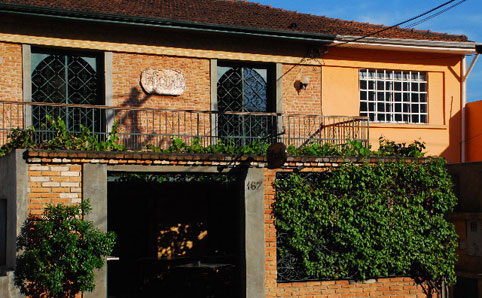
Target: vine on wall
370, 220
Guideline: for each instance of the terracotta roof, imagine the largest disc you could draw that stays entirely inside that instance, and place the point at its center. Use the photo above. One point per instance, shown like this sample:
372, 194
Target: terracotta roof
233, 13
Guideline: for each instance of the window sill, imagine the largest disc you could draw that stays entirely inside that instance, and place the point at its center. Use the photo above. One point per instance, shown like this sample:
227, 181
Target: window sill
407, 126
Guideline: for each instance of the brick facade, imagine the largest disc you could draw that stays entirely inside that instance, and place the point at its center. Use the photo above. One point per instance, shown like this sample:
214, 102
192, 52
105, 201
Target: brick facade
53, 184
307, 101
10, 86
126, 89
10, 71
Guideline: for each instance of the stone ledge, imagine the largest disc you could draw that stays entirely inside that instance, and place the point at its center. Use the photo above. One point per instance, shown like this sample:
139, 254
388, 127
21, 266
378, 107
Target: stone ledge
152, 158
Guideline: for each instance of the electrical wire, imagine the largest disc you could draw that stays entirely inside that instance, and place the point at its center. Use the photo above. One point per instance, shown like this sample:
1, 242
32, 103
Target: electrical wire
396, 25
434, 15
388, 28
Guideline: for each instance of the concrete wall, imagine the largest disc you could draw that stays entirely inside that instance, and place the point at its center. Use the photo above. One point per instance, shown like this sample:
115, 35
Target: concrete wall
13, 188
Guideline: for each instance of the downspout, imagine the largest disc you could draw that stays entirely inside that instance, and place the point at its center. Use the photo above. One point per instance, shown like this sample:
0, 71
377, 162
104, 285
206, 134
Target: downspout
465, 75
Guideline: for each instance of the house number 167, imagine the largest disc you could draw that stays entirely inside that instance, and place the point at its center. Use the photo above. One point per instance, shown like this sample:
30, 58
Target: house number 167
254, 185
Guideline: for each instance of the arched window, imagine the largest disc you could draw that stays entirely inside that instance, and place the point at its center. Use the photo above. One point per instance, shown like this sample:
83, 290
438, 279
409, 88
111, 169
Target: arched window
67, 78
244, 88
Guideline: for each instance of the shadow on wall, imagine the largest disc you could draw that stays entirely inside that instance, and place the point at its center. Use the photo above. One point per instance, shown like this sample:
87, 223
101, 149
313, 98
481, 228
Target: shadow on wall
452, 153
138, 128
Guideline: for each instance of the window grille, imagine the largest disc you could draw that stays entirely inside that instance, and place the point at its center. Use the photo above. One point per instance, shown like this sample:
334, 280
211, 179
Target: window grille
393, 96
244, 88
68, 78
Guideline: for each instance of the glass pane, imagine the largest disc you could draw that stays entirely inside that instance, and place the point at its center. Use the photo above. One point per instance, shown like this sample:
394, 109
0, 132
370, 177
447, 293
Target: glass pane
380, 85
371, 85
380, 107
406, 108
423, 108
363, 84
380, 96
406, 86
398, 86
388, 85
414, 86
363, 106
414, 108
363, 95
423, 118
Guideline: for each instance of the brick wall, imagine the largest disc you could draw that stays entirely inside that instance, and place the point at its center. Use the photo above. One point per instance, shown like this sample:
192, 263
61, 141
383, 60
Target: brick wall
10, 86
10, 71
127, 92
126, 89
53, 184
307, 101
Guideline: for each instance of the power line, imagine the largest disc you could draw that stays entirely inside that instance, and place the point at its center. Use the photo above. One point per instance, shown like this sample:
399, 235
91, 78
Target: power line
434, 15
388, 28
397, 25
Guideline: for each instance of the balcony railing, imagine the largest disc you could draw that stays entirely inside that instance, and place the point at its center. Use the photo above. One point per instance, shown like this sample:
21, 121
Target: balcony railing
138, 126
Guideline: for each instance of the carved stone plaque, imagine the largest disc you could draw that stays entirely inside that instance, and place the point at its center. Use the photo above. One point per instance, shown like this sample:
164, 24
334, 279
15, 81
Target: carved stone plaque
163, 81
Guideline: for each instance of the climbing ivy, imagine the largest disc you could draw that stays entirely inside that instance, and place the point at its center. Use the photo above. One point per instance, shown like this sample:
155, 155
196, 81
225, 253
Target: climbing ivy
370, 220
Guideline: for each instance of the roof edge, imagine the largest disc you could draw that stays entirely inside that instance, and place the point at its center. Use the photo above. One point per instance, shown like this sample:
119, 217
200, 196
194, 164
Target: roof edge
462, 47
161, 23
342, 40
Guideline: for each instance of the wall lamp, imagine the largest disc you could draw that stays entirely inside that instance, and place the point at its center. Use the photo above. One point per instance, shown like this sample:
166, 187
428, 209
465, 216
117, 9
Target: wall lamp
302, 84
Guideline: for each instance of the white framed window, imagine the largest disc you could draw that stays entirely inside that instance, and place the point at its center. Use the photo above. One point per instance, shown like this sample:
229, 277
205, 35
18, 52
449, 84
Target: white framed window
393, 96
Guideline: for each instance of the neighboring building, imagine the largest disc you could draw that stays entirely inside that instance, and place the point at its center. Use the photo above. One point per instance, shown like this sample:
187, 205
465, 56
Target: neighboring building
473, 143
220, 70
467, 219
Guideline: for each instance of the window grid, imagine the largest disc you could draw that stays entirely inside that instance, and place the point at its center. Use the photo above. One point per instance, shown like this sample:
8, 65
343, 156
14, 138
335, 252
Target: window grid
393, 96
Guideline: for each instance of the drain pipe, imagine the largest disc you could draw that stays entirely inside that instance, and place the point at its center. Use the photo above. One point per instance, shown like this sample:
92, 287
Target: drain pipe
465, 75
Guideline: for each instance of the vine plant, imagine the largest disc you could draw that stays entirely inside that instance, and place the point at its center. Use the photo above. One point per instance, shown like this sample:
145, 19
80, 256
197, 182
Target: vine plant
63, 139
373, 220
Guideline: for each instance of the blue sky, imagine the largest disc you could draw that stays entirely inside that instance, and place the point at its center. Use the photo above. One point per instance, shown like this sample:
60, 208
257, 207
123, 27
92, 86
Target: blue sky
464, 19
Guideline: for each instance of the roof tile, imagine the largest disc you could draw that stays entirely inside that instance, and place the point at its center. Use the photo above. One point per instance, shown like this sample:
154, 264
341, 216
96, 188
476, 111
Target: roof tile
237, 13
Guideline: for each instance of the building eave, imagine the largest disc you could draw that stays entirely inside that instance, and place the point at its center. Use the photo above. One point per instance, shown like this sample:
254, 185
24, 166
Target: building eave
434, 46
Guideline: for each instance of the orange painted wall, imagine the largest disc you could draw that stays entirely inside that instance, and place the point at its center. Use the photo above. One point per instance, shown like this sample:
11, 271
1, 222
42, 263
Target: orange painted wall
442, 133
473, 132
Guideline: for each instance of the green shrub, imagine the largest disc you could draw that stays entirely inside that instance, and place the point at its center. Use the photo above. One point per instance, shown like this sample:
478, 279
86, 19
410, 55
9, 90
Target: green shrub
366, 221
58, 252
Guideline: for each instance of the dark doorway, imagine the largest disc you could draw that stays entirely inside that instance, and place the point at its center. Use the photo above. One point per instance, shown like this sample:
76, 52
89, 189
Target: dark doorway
178, 235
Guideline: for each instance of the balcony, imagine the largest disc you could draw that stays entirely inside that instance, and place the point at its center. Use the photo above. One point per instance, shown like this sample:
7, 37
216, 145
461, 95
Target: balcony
139, 127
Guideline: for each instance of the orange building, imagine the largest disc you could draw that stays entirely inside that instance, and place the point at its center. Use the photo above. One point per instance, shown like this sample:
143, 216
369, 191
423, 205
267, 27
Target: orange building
212, 70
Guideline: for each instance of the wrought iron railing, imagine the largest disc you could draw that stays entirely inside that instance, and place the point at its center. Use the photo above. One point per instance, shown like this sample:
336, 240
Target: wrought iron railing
138, 126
